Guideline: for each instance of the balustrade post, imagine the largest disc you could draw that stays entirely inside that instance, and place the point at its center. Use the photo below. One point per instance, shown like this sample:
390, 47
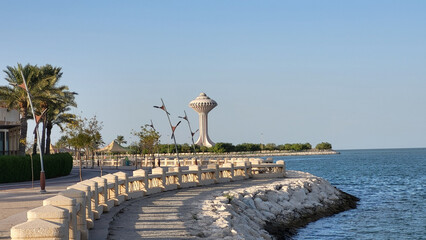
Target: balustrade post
52, 214
178, 171
106, 203
144, 182
38, 229
197, 176
283, 167
80, 197
96, 209
71, 205
216, 172
162, 182
89, 214
123, 189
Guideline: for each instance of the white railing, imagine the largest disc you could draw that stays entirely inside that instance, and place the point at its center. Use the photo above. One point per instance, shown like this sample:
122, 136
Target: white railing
71, 213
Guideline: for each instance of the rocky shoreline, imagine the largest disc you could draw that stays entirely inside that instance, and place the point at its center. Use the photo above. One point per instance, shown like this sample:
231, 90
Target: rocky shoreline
272, 211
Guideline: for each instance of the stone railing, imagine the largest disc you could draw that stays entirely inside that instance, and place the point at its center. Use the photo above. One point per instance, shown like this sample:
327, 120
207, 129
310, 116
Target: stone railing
149, 161
71, 213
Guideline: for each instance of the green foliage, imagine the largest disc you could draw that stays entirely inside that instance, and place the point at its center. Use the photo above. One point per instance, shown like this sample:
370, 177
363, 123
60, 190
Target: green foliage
223, 147
42, 83
120, 140
18, 168
229, 197
247, 147
148, 139
323, 146
134, 148
270, 146
83, 133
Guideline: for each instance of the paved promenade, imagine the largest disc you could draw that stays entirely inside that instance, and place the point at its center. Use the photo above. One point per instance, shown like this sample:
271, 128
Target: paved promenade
17, 198
164, 215
159, 216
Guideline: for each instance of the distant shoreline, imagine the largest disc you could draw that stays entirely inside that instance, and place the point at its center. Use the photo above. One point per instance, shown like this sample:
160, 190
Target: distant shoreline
275, 153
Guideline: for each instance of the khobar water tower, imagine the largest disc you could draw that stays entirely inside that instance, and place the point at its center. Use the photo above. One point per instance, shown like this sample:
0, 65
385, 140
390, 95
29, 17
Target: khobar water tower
203, 105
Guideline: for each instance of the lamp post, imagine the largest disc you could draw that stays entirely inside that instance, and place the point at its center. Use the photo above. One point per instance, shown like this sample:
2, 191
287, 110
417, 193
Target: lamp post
163, 107
42, 174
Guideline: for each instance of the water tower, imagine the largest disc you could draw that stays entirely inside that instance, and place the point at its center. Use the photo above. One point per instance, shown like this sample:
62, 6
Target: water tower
203, 105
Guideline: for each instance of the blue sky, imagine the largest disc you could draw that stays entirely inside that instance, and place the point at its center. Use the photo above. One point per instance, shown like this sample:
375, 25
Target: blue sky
348, 72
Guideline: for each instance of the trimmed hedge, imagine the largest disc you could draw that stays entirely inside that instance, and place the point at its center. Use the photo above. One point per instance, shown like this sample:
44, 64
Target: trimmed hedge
18, 168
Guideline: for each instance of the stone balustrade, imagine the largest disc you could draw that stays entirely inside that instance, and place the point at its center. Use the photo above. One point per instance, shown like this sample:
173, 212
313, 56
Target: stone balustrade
71, 213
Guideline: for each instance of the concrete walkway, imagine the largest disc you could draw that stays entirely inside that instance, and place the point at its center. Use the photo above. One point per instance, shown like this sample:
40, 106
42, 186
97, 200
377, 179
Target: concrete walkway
165, 215
17, 198
159, 216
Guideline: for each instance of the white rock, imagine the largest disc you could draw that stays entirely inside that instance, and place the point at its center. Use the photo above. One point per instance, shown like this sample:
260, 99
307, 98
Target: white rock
250, 208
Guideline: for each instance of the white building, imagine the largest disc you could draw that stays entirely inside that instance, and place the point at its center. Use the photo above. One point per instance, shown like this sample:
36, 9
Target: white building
9, 131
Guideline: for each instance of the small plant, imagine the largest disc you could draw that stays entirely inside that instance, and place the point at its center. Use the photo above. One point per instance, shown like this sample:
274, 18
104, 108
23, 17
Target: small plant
229, 197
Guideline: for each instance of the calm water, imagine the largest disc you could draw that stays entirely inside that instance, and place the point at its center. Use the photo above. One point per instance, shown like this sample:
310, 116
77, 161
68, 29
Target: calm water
390, 183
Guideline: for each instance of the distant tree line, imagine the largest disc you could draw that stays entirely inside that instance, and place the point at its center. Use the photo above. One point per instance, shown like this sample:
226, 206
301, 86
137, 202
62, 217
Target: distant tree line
222, 147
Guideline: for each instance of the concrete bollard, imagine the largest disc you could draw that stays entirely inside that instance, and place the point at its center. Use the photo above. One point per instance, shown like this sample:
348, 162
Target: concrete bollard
103, 194
162, 182
52, 214
178, 171
283, 164
144, 181
113, 192
123, 186
197, 177
89, 214
71, 205
80, 198
96, 208
216, 173
230, 172
38, 229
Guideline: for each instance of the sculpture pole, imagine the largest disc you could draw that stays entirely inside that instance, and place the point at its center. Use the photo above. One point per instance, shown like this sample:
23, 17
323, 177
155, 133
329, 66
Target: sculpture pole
163, 107
190, 130
42, 174
158, 149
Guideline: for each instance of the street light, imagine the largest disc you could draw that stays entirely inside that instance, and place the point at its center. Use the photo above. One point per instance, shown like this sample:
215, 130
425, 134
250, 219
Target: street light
36, 120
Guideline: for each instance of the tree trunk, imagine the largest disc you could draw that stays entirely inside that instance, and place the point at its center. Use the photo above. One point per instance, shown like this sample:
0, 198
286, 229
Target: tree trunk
49, 127
43, 136
23, 133
35, 144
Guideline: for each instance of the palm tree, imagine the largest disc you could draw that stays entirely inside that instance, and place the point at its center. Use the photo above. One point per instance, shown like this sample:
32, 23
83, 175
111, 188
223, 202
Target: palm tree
16, 97
46, 95
120, 140
49, 96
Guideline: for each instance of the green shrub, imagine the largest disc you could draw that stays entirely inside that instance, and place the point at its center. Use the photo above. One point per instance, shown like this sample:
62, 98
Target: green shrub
18, 168
323, 146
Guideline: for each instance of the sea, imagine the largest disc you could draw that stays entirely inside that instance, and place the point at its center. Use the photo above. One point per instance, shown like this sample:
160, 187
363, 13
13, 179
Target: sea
391, 184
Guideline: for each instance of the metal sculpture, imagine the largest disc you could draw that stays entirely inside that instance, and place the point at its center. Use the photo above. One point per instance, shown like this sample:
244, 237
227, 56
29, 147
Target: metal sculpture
36, 120
163, 107
158, 149
190, 130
